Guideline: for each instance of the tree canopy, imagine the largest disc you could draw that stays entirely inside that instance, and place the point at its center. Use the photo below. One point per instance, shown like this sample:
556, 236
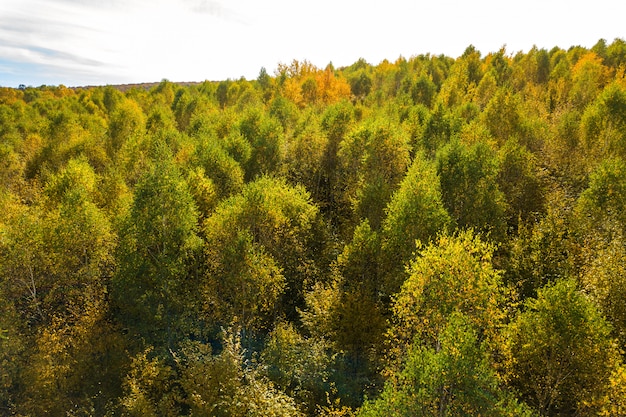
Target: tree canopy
428, 236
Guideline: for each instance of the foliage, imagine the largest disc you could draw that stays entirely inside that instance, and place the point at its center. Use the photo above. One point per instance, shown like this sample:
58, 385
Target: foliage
453, 378
159, 243
298, 366
469, 187
259, 253
415, 214
453, 274
560, 351
441, 236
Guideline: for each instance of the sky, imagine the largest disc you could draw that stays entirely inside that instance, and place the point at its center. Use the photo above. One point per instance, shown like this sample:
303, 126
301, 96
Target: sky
100, 42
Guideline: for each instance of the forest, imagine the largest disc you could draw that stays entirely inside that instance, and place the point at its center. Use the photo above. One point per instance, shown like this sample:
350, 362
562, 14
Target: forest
433, 236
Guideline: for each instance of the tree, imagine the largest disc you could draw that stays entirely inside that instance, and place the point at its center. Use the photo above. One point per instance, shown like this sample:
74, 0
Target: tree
11, 353
154, 287
373, 161
502, 116
203, 191
519, 181
221, 93
546, 250
440, 128
263, 249
463, 78
244, 283
415, 214
350, 314
559, 352
219, 166
470, 189
198, 381
453, 274
127, 121
359, 314
55, 270
304, 156
616, 53
589, 76
360, 84
265, 135
150, 388
499, 65
605, 280
602, 205
453, 378
266, 83
65, 138
336, 122
183, 108
304, 84
604, 121
299, 366
228, 384
285, 111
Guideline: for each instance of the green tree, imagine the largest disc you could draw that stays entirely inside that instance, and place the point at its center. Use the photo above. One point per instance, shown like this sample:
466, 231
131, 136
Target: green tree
244, 283
126, 122
350, 313
544, 251
359, 314
454, 378
285, 111
265, 135
503, 117
11, 354
373, 161
299, 366
337, 120
605, 280
55, 269
559, 352
441, 126
602, 205
521, 184
604, 122
221, 93
65, 138
203, 191
264, 247
154, 288
616, 53
198, 381
415, 214
469, 187
227, 384
360, 84
304, 156
422, 90
150, 388
266, 82
589, 76
500, 66
219, 166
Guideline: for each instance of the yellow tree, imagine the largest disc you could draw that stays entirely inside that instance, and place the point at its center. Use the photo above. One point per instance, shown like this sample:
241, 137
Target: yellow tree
589, 76
453, 274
